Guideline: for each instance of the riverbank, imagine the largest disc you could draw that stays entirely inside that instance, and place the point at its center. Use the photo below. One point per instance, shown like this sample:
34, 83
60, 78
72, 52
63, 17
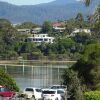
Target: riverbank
31, 62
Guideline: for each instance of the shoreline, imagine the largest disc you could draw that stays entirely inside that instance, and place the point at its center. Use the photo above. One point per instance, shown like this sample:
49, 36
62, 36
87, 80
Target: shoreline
33, 62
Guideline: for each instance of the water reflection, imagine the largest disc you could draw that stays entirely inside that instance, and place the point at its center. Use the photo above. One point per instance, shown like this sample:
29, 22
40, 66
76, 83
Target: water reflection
36, 76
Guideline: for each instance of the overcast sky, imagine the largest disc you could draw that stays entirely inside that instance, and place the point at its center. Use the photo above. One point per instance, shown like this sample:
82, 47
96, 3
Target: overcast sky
27, 2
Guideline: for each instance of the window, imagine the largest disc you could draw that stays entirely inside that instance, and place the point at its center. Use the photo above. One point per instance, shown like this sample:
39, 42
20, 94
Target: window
29, 89
29, 39
33, 39
58, 87
1, 89
38, 90
45, 39
60, 92
49, 92
40, 39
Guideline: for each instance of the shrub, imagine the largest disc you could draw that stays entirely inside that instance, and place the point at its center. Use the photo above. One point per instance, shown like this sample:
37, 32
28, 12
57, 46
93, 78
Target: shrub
6, 80
92, 95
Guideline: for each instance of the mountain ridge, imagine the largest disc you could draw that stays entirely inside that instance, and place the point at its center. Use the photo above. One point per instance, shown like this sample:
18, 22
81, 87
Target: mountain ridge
48, 11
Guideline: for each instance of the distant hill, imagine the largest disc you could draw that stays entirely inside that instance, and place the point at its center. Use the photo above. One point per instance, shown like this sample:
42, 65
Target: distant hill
56, 10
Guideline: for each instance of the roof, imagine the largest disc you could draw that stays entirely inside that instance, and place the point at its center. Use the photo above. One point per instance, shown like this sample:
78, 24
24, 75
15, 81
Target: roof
58, 24
32, 87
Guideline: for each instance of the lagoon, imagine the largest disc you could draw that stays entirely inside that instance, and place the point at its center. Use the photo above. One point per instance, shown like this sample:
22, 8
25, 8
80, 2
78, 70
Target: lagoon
41, 75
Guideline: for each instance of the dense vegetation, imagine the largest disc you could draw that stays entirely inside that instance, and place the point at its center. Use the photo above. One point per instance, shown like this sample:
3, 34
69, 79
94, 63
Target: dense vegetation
13, 44
92, 95
6, 80
84, 75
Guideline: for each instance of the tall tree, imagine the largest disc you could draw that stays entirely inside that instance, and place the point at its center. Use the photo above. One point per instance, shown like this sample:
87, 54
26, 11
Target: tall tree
79, 20
96, 20
87, 2
47, 27
79, 17
73, 84
88, 66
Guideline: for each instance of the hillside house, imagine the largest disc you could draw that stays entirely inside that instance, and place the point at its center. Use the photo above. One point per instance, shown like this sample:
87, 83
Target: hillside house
36, 30
58, 26
87, 31
24, 31
38, 38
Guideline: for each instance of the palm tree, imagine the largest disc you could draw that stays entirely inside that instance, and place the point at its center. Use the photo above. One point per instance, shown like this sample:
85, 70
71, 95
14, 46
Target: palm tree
97, 13
87, 2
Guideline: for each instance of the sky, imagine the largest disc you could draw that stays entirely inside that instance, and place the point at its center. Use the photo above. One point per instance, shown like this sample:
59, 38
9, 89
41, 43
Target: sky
27, 2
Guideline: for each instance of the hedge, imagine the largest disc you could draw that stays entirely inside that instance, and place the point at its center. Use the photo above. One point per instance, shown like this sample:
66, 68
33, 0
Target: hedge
92, 95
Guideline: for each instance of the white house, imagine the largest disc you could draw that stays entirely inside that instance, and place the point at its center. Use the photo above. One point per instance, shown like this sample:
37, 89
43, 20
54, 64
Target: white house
59, 29
36, 30
24, 31
38, 38
88, 31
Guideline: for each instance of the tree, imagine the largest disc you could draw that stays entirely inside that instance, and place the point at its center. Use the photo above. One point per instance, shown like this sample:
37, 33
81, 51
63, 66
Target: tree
6, 80
73, 84
8, 37
79, 17
96, 21
88, 67
46, 27
82, 37
87, 2
26, 25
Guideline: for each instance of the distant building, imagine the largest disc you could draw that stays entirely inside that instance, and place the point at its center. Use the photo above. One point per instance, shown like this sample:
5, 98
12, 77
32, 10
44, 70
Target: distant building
88, 31
14, 25
59, 29
24, 31
38, 38
36, 30
58, 26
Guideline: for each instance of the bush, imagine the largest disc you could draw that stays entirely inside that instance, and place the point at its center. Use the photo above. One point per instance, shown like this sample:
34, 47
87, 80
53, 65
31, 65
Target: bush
6, 80
92, 95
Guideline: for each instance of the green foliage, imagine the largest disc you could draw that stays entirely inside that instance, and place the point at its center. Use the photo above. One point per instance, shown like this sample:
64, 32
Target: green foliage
92, 95
92, 53
47, 27
79, 17
96, 21
88, 67
13, 43
79, 22
73, 84
87, 2
83, 38
9, 39
27, 25
4, 22
7, 80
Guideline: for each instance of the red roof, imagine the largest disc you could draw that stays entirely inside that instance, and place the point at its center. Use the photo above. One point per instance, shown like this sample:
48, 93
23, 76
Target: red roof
58, 24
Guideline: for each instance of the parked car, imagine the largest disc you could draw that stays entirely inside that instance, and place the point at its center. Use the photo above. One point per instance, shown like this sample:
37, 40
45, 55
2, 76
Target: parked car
51, 94
32, 93
5, 92
60, 87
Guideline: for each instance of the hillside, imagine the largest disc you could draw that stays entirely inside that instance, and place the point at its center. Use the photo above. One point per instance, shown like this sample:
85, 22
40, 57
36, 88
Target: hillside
56, 10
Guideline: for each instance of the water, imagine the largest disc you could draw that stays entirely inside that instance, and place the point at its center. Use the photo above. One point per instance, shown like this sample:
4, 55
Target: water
36, 76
